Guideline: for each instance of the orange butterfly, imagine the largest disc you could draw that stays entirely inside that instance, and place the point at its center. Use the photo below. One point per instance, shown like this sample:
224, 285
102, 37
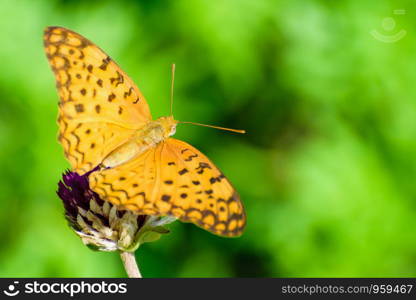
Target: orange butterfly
105, 121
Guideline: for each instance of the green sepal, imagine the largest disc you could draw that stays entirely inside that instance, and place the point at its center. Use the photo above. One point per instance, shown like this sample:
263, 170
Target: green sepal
150, 232
149, 236
160, 229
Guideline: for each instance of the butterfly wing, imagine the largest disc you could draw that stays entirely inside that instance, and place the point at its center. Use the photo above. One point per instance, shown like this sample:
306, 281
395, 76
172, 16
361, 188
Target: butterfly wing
100, 107
175, 179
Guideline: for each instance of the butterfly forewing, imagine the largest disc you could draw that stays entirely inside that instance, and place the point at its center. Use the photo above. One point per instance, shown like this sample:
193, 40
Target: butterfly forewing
100, 107
175, 179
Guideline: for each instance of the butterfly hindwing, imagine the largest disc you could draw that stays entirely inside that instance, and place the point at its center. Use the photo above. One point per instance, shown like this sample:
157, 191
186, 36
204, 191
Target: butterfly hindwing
100, 107
212, 202
175, 179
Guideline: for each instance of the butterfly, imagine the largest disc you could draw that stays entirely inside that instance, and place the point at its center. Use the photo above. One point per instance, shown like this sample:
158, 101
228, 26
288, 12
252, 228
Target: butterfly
105, 123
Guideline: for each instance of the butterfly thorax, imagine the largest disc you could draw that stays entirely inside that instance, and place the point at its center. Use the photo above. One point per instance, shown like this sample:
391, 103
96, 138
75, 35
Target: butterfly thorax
142, 140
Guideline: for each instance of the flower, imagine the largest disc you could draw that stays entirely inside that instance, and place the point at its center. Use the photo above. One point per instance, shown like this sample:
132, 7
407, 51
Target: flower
100, 224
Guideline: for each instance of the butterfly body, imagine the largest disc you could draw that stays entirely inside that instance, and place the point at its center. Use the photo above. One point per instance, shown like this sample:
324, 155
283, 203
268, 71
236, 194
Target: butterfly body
150, 135
104, 120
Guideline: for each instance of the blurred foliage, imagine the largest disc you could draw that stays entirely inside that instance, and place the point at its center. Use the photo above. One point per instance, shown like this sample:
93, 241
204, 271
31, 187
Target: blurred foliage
326, 171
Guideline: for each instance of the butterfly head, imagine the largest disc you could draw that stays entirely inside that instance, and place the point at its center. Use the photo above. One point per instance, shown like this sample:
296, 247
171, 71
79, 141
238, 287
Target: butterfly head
169, 125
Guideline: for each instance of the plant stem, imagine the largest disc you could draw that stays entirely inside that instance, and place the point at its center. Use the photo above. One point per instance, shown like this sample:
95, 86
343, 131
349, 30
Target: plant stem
130, 264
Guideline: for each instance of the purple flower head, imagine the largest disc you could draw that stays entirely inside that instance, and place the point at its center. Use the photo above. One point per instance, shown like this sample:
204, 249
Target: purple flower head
75, 192
100, 224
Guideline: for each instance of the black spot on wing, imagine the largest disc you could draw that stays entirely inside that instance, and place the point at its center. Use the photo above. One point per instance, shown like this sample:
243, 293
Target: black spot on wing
79, 108
191, 157
165, 198
106, 61
202, 166
183, 171
111, 97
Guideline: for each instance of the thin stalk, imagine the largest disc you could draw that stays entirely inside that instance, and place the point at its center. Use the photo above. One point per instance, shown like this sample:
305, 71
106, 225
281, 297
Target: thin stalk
130, 264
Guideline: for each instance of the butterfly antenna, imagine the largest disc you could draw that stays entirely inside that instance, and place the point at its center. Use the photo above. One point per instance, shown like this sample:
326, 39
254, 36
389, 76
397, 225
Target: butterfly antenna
171, 89
216, 127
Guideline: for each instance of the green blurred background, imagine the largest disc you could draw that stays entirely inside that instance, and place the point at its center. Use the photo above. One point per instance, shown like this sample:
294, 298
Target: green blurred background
326, 170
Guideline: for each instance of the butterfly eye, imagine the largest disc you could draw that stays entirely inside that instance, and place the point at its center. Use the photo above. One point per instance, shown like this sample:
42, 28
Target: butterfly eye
172, 130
